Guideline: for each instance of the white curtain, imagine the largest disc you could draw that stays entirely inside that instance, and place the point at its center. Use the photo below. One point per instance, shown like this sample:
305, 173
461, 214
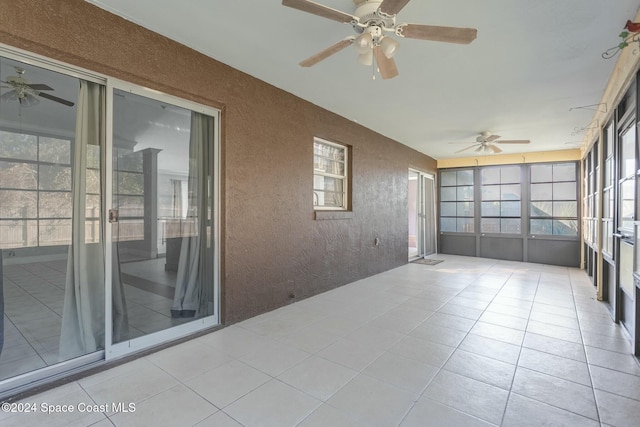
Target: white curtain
83, 313
83, 319
194, 280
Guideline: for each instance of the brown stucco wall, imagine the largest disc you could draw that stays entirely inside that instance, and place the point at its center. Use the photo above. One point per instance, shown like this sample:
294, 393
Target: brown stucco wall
273, 248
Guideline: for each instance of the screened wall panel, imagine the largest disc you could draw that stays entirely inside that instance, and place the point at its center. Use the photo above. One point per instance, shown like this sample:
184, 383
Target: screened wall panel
457, 201
512, 206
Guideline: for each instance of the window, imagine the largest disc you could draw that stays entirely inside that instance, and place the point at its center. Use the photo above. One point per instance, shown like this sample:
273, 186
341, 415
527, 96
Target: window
554, 206
627, 182
456, 201
501, 207
330, 175
35, 189
607, 192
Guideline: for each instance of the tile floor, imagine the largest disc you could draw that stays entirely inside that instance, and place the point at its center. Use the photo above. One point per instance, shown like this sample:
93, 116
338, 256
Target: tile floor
468, 342
34, 300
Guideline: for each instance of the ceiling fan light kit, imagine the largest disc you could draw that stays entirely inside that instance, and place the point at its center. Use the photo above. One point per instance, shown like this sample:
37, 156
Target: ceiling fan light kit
372, 20
27, 93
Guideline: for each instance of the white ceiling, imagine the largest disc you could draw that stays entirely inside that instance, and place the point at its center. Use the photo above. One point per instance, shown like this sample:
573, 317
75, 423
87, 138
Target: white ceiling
532, 62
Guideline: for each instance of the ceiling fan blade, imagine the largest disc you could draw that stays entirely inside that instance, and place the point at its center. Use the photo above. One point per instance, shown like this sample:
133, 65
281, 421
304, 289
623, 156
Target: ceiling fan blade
392, 7
495, 149
513, 141
438, 34
320, 10
331, 50
480, 148
38, 86
465, 149
386, 66
56, 99
491, 138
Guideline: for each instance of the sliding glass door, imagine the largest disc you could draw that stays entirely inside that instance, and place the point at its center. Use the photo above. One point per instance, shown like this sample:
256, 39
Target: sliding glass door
52, 283
109, 219
421, 220
163, 219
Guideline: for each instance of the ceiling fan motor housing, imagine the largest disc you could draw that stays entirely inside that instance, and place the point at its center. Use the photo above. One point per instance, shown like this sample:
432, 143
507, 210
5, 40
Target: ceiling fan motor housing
369, 15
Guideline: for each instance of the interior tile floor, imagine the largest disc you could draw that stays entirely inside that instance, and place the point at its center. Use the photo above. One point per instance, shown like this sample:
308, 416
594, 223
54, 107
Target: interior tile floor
467, 342
34, 301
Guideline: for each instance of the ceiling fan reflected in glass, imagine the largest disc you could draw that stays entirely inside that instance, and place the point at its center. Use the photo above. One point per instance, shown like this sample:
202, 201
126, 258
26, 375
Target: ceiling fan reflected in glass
485, 143
27, 93
375, 21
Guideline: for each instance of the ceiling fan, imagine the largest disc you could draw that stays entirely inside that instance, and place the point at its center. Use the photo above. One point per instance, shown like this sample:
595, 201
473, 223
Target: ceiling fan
27, 93
372, 21
485, 143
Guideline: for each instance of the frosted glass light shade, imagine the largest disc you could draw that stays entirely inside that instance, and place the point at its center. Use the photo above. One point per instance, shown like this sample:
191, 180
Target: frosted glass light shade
389, 46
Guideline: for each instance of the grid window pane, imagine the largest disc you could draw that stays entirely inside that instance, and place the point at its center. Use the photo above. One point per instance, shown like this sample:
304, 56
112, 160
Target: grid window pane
448, 194
541, 191
510, 209
55, 205
18, 233
541, 208
510, 225
465, 177
565, 209
18, 146
23, 176
448, 178
564, 191
541, 173
510, 192
490, 225
328, 166
448, 209
465, 225
608, 172
565, 227
490, 209
564, 172
448, 225
510, 175
54, 150
627, 154
541, 226
490, 192
465, 209
490, 176
465, 193
93, 181
54, 232
55, 178
18, 204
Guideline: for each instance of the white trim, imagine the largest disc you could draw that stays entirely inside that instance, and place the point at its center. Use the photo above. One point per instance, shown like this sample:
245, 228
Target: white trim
144, 342
50, 64
117, 350
344, 178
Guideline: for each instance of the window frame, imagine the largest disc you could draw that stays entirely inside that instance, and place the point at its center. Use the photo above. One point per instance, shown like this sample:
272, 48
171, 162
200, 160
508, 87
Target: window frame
500, 200
553, 200
38, 219
344, 178
460, 220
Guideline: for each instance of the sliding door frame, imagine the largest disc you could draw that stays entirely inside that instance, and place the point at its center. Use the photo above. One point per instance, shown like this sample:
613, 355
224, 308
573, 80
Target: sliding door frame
120, 349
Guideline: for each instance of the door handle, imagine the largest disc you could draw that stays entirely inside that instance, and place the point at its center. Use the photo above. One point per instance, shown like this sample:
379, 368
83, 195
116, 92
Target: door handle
113, 215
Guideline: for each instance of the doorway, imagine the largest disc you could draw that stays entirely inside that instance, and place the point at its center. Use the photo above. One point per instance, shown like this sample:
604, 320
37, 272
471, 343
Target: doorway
109, 220
421, 211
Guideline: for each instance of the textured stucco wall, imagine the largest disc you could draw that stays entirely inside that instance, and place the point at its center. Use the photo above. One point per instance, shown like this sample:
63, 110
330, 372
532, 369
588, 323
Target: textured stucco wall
272, 245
